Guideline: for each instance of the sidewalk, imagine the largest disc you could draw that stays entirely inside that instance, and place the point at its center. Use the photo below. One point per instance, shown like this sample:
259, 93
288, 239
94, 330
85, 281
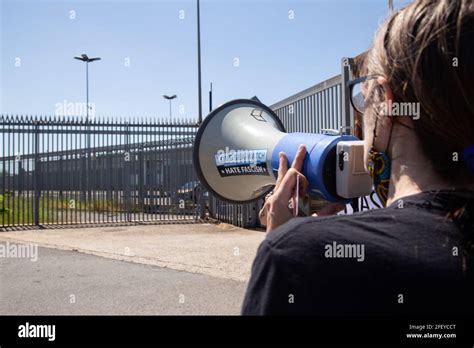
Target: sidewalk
222, 251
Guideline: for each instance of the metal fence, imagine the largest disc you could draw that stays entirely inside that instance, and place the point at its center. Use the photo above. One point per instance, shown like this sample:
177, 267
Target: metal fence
242, 215
74, 171
71, 171
320, 107
314, 109
323, 106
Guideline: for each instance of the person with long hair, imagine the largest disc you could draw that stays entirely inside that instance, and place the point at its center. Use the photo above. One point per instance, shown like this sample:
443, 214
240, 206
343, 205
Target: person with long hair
414, 256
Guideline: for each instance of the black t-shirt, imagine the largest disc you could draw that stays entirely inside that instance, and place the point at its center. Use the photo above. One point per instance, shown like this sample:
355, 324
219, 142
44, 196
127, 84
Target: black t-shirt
406, 259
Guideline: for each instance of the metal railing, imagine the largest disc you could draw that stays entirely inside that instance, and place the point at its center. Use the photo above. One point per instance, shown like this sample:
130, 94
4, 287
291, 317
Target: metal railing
242, 215
325, 105
314, 109
73, 171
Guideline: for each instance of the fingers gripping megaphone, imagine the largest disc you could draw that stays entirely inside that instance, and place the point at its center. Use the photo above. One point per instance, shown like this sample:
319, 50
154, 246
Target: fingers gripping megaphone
236, 156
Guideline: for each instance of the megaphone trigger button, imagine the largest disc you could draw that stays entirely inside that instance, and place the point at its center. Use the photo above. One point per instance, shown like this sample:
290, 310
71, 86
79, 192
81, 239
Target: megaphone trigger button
342, 155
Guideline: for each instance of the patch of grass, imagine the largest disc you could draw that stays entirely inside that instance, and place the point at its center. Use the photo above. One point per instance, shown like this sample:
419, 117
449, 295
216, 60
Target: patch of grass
18, 208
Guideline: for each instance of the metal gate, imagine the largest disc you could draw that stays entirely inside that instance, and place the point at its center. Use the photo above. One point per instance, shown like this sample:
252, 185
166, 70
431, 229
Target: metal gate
77, 171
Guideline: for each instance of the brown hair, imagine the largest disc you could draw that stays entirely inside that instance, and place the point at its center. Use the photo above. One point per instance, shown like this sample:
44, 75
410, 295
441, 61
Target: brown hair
426, 51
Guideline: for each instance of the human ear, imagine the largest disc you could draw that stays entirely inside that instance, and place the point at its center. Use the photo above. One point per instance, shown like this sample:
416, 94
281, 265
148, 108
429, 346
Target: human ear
381, 80
384, 120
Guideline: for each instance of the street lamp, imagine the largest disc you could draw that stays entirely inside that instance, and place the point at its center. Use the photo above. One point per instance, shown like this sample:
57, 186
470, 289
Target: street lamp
199, 62
170, 98
87, 60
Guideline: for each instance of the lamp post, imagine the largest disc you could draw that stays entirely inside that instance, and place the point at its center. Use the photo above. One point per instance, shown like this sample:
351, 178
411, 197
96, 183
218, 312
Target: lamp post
170, 98
199, 63
202, 212
210, 99
87, 60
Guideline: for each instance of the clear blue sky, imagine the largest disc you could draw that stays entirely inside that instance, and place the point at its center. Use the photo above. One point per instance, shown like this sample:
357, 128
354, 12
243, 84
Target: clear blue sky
278, 56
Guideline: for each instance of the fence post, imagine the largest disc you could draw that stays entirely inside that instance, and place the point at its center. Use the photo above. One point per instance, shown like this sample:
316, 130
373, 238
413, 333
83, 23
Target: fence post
235, 214
83, 165
141, 179
347, 112
126, 176
244, 213
37, 188
202, 205
212, 202
252, 214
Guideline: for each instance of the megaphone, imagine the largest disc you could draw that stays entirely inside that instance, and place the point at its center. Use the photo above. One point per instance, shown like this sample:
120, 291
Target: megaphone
236, 156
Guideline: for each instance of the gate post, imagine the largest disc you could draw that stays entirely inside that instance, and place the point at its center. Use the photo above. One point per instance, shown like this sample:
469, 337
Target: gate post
346, 76
251, 216
37, 188
127, 166
212, 206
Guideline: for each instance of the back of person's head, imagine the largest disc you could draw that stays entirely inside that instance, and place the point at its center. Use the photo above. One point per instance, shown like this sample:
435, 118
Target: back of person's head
426, 52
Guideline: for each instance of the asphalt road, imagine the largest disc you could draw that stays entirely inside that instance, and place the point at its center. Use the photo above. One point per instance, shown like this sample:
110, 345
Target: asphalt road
72, 283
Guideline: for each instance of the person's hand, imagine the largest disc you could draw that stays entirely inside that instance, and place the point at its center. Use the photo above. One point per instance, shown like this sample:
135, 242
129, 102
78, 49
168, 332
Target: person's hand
276, 210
